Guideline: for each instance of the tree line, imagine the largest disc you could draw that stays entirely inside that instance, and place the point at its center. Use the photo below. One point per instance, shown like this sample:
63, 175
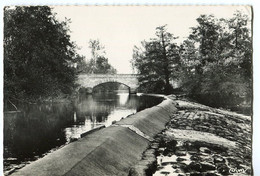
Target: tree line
40, 60
38, 53
214, 63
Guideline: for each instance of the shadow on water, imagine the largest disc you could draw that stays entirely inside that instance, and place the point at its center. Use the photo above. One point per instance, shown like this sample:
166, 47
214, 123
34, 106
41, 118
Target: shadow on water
41, 128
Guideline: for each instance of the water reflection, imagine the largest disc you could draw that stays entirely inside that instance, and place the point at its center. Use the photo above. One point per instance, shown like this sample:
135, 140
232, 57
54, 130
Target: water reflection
41, 128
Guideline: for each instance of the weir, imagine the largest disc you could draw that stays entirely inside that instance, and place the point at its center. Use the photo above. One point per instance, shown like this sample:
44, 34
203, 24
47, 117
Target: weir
108, 151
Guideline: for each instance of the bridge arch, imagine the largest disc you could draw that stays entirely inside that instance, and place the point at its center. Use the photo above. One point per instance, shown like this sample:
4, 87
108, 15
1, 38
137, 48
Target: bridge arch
89, 81
115, 83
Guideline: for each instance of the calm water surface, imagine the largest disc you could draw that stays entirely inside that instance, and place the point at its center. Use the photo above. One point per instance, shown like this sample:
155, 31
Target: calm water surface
42, 128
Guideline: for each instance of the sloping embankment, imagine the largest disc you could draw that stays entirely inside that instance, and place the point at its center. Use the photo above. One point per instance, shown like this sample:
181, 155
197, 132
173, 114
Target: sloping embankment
109, 151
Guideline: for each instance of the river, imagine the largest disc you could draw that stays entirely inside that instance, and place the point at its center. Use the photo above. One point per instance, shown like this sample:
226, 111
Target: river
40, 129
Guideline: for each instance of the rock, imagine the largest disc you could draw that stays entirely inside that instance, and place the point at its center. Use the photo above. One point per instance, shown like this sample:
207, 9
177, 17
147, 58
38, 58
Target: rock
179, 159
248, 171
192, 151
205, 150
160, 167
160, 150
196, 174
168, 163
233, 163
221, 134
202, 128
73, 139
194, 166
188, 128
175, 166
155, 145
157, 139
180, 153
211, 174
178, 171
133, 172
207, 159
223, 169
165, 172
173, 97
171, 145
182, 166
195, 158
181, 148
167, 152
174, 125
211, 130
182, 127
207, 166
181, 175
218, 159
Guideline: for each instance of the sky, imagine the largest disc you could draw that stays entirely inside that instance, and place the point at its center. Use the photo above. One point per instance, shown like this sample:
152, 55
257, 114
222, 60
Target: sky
119, 28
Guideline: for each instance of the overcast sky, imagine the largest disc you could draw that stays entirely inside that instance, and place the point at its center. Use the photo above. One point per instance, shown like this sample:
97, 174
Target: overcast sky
119, 28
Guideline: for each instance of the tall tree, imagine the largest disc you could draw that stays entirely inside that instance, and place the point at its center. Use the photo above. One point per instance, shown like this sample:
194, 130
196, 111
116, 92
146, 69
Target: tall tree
38, 53
97, 50
217, 59
157, 61
206, 36
98, 63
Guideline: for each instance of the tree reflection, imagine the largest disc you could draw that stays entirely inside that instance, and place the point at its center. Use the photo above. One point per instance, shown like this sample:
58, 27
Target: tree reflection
40, 128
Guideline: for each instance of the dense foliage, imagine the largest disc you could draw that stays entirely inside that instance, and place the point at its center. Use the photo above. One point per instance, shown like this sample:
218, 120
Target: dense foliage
214, 63
38, 53
217, 60
98, 63
157, 61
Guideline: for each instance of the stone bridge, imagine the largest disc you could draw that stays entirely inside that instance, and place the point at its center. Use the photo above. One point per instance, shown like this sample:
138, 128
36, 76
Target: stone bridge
90, 81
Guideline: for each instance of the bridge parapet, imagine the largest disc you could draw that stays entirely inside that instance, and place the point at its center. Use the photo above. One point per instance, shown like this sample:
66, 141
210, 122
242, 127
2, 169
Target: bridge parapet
109, 75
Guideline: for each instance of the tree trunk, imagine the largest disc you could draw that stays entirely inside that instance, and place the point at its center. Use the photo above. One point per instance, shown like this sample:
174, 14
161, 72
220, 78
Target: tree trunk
166, 67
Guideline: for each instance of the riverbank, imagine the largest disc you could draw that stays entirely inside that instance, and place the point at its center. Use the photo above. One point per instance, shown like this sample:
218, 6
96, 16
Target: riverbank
200, 140
14, 104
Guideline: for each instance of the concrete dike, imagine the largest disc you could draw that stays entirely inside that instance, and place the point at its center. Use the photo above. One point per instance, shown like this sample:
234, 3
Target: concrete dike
107, 151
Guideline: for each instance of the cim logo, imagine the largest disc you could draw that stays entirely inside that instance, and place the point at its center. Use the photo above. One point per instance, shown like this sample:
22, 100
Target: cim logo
237, 171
